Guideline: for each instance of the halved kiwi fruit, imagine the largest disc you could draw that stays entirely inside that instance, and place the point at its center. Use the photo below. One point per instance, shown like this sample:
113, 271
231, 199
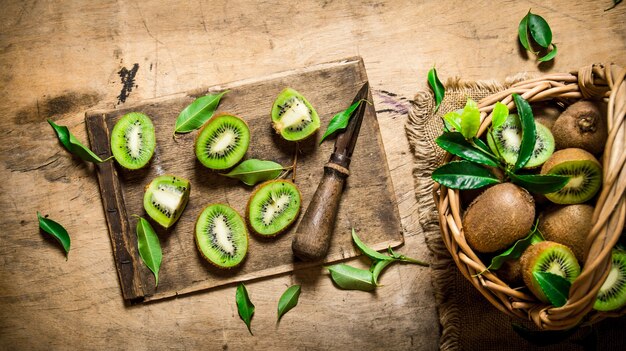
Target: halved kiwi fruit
293, 117
165, 199
222, 142
612, 294
273, 207
584, 171
221, 236
133, 140
507, 139
551, 257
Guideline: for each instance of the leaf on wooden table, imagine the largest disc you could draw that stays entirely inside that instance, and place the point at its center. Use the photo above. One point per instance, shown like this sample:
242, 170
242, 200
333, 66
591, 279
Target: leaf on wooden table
74, 146
56, 230
245, 307
351, 278
197, 113
149, 247
549, 56
288, 300
253, 171
369, 252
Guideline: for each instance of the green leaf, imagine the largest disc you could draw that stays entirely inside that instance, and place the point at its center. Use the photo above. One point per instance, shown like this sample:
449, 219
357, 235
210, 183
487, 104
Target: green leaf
288, 300
56, 230
436, 86
463, 175
456, 144
499, 115
406, 259
554, 286
149, 247
244, 305
369, 252
470, 119
539, 30
351, 278
549, 56
529, 133
253, 171
377, 268
197, 113
340, 120
540, 183
522, 32
453, 118
71, 144
515, 251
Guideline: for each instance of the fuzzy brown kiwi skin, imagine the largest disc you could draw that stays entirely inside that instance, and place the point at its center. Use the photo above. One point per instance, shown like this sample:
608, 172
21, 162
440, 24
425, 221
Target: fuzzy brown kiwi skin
468, 196
498, 217
547, 114
583, 126
571, 154
202, 254
511, 272
568, 225
249, 223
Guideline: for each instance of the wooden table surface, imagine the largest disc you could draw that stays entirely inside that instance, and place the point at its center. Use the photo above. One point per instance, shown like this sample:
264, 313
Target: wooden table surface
59, 59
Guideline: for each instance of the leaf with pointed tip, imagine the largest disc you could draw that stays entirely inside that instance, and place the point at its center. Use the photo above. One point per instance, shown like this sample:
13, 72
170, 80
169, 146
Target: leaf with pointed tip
56, 230
463, 175
351, 278
340, 120
470, 119
452, 119
369, 252
522, 32
197, 113
73, 145
529, 131
554, 286
539, 30
149, 247
549, 56
253, 171
288, 300
436, 86
515, 251
499, 115
245, 307
377, 268
540, 183
456, 144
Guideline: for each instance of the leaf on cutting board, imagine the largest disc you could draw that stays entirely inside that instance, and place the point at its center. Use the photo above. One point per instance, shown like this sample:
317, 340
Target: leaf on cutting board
340, 120
254, 171
288, 300
56, 230
149, 247
197, 113
71, 144
245, 307
369, 252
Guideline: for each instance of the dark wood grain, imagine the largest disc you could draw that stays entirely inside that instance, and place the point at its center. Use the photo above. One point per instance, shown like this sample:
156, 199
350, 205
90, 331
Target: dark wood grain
330, 88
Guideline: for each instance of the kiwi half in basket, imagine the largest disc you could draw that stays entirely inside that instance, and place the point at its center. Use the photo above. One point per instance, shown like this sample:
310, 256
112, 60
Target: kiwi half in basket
165, 199
584, 171
221, 236
612, 294
273, 207
222, 142
293, 117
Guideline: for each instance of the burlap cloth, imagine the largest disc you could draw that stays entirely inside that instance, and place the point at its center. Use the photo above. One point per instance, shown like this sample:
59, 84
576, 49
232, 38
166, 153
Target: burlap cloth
468, 321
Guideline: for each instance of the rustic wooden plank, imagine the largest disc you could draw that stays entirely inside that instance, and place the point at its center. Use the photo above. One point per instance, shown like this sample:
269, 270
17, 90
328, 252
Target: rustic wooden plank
330, 87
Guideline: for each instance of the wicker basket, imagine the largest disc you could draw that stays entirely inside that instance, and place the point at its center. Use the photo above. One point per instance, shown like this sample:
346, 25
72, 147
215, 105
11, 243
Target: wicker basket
594, 82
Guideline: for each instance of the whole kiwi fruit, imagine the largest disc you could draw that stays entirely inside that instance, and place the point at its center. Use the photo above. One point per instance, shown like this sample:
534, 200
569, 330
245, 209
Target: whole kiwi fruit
550, 257
498, 217
568, 225
585, 174
547, 113
581, 125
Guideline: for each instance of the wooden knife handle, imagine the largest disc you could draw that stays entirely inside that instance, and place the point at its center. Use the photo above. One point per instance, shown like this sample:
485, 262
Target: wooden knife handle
313, 235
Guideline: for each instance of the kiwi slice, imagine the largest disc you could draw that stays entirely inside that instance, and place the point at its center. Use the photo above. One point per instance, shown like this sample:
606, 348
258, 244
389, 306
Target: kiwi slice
584, 171
507, 139
221, 236
222, 142
293, 117
273, 207
551, 257
612, 294
133, 140
165, 199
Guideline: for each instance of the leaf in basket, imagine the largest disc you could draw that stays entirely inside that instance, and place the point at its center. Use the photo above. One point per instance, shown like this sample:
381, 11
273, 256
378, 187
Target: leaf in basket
463, 175
253, 171
554, 286
456, 144
452, 119
499, 115
245, 307
540, 183
199, 111
369, 252
470, 119
539, 29
529, 133
436, 86
71, 144
515, 251
351, 278
549, 56
149, 247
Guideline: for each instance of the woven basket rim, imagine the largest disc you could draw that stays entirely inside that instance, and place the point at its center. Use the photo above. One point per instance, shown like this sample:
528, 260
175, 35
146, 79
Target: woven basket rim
595, 81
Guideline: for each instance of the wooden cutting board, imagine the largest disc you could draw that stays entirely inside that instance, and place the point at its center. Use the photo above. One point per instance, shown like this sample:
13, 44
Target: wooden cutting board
368, 203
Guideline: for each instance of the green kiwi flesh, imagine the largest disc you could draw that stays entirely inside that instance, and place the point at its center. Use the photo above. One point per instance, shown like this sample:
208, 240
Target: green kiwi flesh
273, 207
165, 199
584, 171
133, 140
550, 257
222, 142
221, 236
612, 294
508, 138
293, 117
